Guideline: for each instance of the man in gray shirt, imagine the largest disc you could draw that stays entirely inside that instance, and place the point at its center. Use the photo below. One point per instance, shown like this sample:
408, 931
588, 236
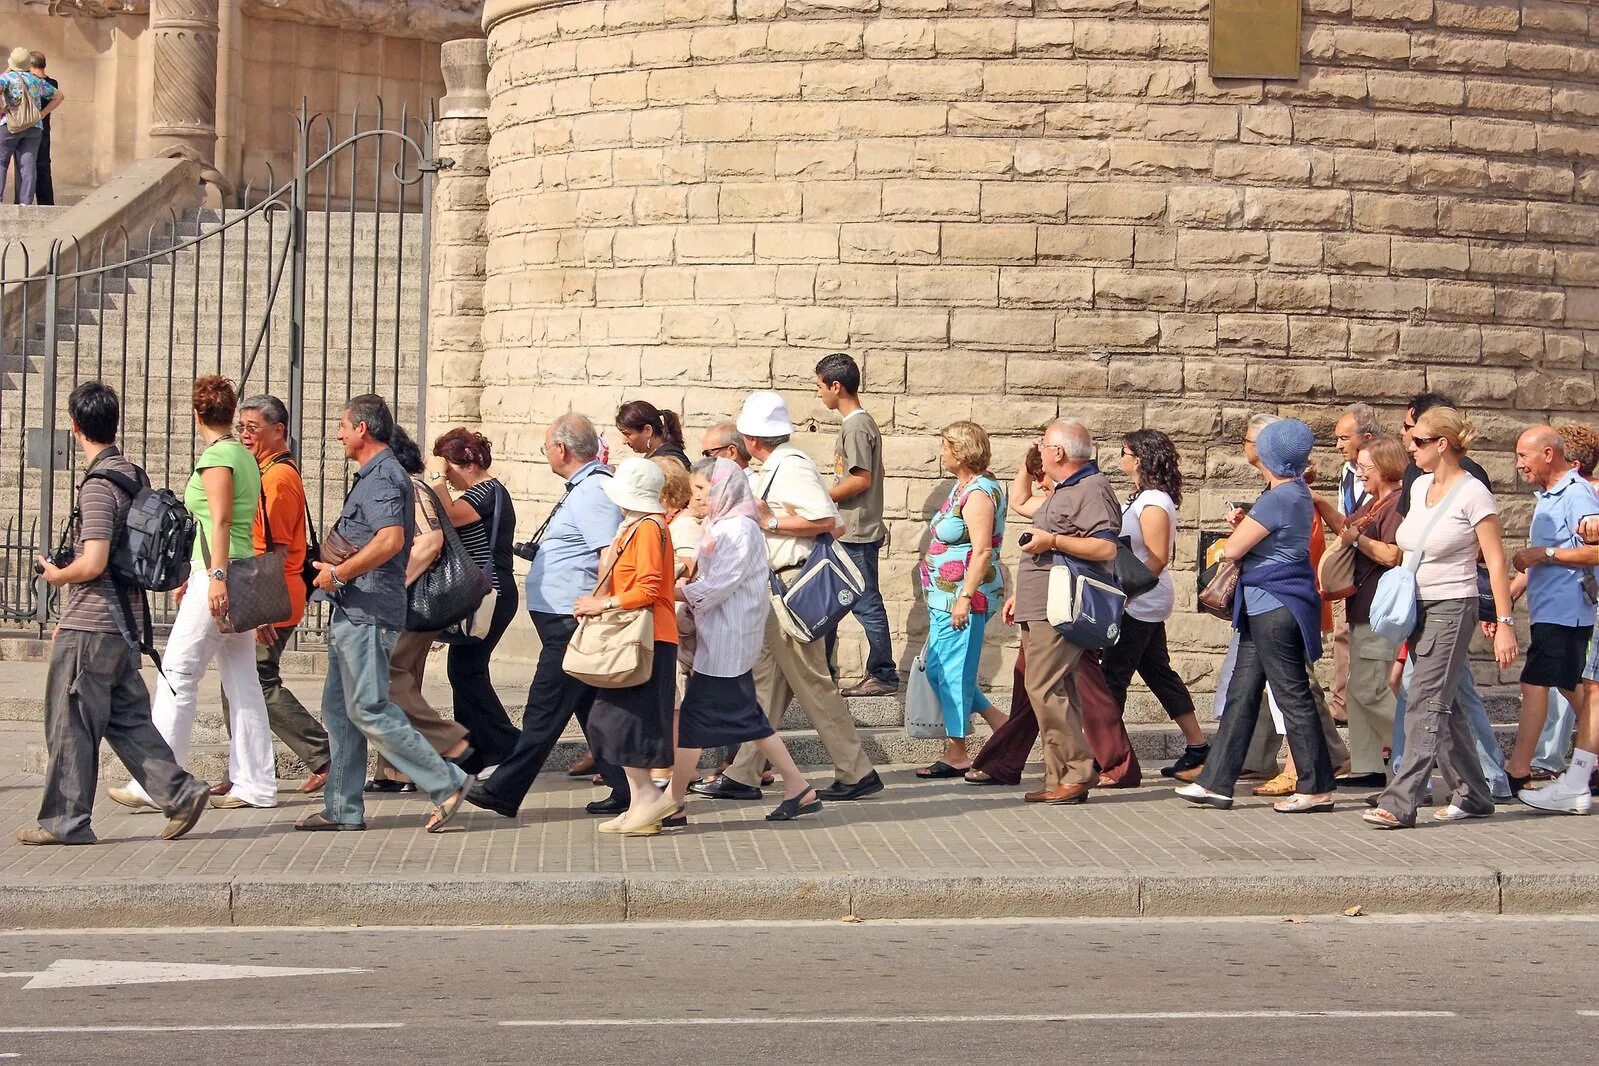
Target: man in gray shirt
367, 589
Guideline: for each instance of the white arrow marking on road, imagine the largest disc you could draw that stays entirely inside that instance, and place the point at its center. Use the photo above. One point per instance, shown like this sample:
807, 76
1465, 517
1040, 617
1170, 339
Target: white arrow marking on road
87, 973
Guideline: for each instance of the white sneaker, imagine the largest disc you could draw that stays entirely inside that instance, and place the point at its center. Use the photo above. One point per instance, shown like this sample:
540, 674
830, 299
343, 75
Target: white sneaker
1204, 797
1561, 796
1455, 813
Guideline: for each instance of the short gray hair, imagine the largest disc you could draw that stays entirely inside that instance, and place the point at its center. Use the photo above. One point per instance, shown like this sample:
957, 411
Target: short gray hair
372, 410
1366, 421
772, 442
575, 433
1078, 443
1261, 421
704, 467
730, 433
272, 409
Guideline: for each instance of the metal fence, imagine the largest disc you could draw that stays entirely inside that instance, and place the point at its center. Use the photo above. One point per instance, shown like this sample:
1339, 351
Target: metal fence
312, 304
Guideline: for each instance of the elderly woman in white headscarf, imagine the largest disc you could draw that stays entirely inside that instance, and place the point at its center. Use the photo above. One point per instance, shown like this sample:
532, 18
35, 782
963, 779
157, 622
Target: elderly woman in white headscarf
729, 597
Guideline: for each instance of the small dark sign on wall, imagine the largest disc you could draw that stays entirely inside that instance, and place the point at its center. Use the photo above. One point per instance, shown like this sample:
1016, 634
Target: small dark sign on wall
1254, 39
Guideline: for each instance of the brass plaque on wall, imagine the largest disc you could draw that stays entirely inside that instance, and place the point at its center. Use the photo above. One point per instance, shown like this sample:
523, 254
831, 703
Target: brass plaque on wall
1254, 39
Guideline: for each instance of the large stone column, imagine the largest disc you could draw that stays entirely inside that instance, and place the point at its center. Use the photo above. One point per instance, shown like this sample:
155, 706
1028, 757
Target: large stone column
183, 113
459, 244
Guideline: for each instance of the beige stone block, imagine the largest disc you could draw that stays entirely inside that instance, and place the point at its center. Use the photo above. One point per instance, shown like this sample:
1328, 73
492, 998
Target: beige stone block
1529, 305
814, 160
925, 198
816, 327
1430, 257
1363, 44
1484, 218
1539, 57
1267, 122
889, 242
949, 286
1004, 330
1165, 160
1385, 213
1412, 131
1095, 244
1153, 247
1061, 159
1141, 81
1224, 377
1138, 289
1516, 344
1053, 287
1204, 205
891, 158
1536, 391
844, 80
1459, 299
928, 413
899, 39
1032, 201
814, 40
1263, 163
1107, 329
1490, 259
718, 122
1507, 97
1331, 126
1301, 208
1356, 253
1323, 85
715, 244
1140, 374
1576, 266
1292, 292
741, 368
704, 325
1494, 135
839, 201
911, 328
1187, 331
1431, 171
1115, 202
1219, 291
753, 160
1264, 332
1052, 374
1041, 37
796, 243
979, 119
857, 284
1035, 80
944, 80
1202, 248
975, 38
989, 242
1211, 123
962, 157
760, 323
1564, 222
804, 121
668, 285
1378, 296
735, 284
1275, 379
759, 202
1531, 181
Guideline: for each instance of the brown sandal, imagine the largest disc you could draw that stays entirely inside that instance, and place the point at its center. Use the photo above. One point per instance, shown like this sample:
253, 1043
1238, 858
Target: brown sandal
443, 812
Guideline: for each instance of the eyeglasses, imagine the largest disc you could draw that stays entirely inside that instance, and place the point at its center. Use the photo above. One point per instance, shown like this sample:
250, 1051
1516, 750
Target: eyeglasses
708, 452
1409, 426
1422, 442
1127, 454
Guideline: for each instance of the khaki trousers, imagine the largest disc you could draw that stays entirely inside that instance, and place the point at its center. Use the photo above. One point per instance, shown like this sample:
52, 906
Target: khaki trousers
1052, 688
1369, 700
1340, 672
788, 670
406, 666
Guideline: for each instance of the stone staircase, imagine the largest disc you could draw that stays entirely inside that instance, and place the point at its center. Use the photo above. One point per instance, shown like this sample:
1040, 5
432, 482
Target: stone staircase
151, 328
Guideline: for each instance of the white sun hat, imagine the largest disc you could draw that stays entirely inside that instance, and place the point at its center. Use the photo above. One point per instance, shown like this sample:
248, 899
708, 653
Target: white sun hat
765, 414
637, 486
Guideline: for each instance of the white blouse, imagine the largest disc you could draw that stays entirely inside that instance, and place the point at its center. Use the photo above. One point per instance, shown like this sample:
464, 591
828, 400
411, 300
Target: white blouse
730, 597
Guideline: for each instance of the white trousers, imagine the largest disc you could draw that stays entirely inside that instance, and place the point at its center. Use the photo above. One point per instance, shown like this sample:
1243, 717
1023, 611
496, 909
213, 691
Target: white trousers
194, 643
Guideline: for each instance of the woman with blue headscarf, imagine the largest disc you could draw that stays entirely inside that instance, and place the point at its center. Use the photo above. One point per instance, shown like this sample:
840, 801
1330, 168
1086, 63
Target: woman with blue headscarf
1277, 613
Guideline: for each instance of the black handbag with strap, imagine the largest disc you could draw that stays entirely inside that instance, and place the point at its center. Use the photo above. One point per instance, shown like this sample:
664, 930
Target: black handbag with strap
449, 590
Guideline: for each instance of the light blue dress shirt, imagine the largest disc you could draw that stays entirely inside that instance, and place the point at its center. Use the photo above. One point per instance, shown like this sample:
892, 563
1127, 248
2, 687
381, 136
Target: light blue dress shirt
568, 561
1554, 592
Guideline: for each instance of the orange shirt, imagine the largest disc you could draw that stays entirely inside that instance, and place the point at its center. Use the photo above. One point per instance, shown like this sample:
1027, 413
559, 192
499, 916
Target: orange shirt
643, 577
285, 507
1318, 548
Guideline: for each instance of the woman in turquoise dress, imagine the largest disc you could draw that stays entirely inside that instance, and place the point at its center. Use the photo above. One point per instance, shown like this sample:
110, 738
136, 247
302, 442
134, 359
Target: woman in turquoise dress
963, 588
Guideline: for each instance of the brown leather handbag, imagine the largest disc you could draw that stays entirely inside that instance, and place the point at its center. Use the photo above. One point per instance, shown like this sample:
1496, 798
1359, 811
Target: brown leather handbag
258, 591
336, 548
1336, 574
1219, 589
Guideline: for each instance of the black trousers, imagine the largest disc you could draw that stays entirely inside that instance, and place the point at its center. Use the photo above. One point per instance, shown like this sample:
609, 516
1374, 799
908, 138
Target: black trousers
1142, 650
477, 705
1270, 649
553, 700
44, 186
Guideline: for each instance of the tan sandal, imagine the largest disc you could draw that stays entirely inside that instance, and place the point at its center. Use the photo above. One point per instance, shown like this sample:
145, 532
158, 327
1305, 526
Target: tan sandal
1284, 784
443, 812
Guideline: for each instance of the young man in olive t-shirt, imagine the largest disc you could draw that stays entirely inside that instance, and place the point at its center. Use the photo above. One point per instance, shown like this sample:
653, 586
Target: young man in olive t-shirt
858, 492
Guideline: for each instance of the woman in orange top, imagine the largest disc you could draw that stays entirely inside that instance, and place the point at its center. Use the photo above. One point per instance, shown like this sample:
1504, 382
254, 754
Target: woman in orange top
632, 727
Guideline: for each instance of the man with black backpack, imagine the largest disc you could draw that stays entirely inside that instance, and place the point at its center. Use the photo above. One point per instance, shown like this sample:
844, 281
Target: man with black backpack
94, 689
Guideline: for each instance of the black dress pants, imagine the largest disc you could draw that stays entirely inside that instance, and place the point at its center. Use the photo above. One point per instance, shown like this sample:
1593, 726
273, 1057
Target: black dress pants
477, 705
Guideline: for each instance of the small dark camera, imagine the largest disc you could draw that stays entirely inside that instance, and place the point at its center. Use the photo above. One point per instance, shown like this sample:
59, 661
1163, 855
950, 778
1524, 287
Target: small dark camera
60, 558
525, 549
1024, 540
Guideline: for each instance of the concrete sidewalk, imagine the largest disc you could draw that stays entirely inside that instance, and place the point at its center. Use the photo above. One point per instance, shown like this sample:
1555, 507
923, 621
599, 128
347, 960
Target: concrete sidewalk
919, 849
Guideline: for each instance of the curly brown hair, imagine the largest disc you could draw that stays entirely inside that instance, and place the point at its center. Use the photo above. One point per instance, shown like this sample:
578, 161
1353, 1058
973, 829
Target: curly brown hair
1157, 462
464, 448
215, 400
1582, 447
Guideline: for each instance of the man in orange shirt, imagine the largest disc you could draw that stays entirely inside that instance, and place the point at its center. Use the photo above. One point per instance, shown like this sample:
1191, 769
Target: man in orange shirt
263, 428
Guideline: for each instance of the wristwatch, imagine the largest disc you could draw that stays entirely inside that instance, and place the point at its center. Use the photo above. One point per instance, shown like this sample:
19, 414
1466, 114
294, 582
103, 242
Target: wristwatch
771, 526
435, 476
1508, 621
1549, 553
333, 573
217, 574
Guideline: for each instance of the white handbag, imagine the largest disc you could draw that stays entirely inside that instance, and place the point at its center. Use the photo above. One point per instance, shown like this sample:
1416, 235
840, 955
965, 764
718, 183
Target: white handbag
924, 717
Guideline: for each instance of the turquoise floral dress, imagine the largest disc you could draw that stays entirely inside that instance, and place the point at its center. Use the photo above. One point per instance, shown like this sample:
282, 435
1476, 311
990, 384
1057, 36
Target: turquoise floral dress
943, 569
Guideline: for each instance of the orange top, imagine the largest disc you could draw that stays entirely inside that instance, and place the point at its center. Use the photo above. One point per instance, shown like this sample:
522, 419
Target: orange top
643, 576
1318, 548
285, 507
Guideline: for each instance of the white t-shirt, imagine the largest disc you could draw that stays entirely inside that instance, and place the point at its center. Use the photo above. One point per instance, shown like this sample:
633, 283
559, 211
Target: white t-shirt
1449, 565
1156, 604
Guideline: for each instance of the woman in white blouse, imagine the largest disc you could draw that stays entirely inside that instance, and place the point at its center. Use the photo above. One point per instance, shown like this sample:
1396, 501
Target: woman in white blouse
729, 597
1453, 517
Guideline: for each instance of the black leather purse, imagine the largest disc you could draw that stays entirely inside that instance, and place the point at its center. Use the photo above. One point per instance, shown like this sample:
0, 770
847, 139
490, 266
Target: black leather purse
1131, 574
447, 591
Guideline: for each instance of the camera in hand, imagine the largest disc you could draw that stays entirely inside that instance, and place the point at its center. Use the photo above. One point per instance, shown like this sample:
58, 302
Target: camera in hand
1024, 540
525, 549
60, 558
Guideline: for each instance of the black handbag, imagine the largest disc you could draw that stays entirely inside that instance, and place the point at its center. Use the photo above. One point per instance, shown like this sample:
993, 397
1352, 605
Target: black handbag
449, 590
1131, 574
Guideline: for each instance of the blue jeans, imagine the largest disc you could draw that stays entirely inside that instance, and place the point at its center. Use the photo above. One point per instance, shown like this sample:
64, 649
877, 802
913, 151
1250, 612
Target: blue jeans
1489, 754
871, 613
1555, 741
24, 148
357, 711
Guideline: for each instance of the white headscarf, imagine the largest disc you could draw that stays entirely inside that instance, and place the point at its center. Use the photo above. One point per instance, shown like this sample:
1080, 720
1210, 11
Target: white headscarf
730, 497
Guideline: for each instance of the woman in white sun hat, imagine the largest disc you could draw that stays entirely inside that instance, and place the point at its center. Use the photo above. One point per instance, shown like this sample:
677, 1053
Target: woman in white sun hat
632, 727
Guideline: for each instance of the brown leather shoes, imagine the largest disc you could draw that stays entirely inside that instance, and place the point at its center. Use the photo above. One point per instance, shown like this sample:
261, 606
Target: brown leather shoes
1060, 794
869, 686
315, 782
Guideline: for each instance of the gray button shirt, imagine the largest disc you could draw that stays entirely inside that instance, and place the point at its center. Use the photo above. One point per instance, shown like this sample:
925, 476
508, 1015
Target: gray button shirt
381, 497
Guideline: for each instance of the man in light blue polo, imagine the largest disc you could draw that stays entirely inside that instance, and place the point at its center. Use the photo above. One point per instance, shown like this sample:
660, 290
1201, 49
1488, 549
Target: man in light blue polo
565, 566
1561, 597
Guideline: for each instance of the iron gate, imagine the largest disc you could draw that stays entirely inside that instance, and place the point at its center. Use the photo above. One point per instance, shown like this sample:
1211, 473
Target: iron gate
312, 288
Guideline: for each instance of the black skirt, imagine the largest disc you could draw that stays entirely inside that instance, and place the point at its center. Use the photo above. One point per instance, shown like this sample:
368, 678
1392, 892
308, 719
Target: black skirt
721, 710
633, 726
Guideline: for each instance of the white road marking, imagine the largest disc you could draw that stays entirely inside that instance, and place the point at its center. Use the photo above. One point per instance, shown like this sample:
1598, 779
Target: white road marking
967, 1019
1588, 1014
86, 973
46, 1030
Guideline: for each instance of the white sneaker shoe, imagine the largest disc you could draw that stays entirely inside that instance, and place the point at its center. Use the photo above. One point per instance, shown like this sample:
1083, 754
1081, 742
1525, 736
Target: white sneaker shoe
1204, 797
1561, 796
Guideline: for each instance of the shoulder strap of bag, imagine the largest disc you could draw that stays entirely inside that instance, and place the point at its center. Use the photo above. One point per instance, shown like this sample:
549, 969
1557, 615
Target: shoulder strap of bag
617, 557
1426, 534
772, 480
500, 492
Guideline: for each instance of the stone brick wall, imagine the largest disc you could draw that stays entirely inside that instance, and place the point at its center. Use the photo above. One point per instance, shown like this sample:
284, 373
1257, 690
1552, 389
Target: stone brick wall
1010, 210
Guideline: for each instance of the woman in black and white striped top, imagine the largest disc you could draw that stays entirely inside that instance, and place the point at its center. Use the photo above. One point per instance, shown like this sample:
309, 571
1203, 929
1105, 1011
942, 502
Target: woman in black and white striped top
461, 461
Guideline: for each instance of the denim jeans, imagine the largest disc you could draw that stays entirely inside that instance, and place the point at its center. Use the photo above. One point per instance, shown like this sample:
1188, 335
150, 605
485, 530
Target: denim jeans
872, 615
24, 148
1554, 743
1489, 753
357, 711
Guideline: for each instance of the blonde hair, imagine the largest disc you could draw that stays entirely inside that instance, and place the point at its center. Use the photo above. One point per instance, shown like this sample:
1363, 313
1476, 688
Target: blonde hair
1451, 425
1388, 455
968, 441
1582, 447
676, 490
21, 58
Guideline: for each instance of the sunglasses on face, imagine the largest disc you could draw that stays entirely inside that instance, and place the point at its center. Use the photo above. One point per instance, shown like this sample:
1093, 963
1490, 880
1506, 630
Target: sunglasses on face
1422, 442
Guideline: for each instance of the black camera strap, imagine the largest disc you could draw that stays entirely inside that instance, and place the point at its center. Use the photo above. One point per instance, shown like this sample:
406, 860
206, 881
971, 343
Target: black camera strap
538, 534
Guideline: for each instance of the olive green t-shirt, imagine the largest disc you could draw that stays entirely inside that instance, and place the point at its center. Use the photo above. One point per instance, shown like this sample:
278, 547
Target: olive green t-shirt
246, 498
860, 447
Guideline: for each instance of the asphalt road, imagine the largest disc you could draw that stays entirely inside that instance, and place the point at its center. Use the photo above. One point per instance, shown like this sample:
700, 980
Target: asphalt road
1321, 991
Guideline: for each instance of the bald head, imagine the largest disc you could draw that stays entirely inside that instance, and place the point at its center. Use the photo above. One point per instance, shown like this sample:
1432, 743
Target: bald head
1541, 457
1544, 437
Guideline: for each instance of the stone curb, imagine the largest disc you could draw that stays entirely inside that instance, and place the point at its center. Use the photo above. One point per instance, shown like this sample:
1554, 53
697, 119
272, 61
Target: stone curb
1231, 890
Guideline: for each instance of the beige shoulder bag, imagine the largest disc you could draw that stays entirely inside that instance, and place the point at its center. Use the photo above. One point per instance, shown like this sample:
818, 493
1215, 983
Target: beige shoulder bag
616, 648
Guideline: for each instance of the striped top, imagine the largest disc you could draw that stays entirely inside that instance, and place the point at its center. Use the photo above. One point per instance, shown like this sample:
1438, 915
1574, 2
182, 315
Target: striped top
475, 535
730, 597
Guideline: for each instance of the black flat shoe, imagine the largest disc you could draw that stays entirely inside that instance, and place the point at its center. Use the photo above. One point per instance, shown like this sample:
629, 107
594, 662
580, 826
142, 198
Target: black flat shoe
677, 819
478, 796
609, 805
1192, 758
1362, 781
461, 759
378, 784
725, 788
941, 769
791, 809
869, 785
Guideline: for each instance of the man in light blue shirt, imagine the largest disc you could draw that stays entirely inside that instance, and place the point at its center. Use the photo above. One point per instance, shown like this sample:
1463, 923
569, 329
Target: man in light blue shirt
565, 566
1561, 596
